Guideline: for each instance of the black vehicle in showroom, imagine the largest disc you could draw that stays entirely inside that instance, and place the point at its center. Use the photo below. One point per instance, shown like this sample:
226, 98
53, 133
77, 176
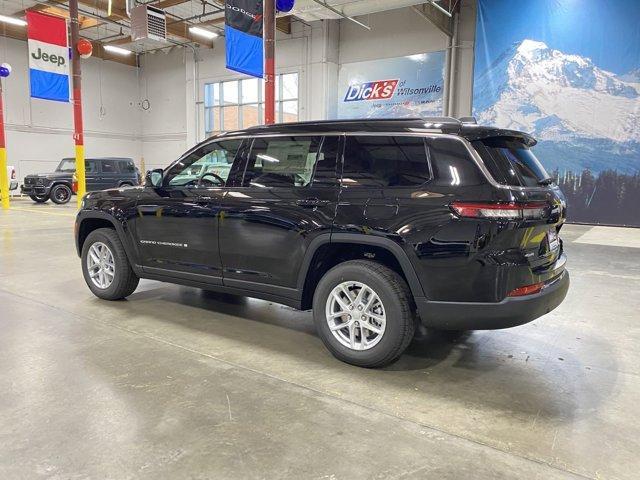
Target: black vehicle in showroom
100, 174
376, 225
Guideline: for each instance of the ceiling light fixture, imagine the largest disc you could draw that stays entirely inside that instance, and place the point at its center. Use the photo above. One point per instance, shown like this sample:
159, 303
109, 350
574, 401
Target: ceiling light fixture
118, 50
203, 33
12, 21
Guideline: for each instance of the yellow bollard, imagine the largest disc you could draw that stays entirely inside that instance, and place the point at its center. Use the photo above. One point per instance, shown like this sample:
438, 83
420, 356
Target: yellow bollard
4, 178
80, 174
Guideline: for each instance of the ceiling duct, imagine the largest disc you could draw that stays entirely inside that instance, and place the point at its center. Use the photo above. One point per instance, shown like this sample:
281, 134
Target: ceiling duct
148, 26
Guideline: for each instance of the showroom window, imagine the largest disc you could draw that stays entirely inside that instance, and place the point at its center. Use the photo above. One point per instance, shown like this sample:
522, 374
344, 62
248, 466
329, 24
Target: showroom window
238, 104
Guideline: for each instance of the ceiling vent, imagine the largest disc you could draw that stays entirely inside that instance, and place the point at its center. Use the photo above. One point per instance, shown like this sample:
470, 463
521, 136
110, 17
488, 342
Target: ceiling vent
148, 26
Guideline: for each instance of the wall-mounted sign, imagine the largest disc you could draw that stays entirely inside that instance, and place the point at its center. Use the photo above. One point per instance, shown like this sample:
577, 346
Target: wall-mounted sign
397, 87
48, 56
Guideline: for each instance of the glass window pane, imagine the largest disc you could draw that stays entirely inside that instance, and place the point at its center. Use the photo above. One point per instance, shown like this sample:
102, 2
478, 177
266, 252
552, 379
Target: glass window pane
290, 86
290, 111
281, 161
250, 116
211, 94
278, 82
230, 93
208, 166
383, 161
250, 90
216, 94
230, 115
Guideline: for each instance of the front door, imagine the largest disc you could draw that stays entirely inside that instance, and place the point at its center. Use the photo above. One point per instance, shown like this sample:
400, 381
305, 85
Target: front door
285, 198
176, 227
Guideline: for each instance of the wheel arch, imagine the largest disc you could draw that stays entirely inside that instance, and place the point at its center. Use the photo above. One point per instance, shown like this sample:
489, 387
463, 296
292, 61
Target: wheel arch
328, 250
87, 222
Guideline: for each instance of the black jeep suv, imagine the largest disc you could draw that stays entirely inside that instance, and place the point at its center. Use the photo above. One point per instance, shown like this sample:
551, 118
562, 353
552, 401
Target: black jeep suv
376, 225
100, 173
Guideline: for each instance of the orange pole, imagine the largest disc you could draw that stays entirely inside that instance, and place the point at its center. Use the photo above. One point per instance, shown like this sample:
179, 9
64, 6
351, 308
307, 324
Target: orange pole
269, 29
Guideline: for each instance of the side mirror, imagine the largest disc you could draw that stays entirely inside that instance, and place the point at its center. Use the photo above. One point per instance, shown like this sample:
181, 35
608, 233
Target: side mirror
153, 178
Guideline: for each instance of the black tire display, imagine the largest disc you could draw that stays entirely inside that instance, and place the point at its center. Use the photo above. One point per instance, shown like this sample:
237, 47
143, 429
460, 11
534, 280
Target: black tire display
124, 281
39, 198
60, 194
394, 314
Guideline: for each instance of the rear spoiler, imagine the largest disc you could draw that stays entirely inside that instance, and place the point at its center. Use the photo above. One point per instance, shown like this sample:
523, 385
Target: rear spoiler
474, 132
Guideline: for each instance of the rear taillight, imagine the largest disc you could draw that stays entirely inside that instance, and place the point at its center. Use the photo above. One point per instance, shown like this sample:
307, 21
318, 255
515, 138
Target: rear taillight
500, 211
13, 174
527, 290
74, 183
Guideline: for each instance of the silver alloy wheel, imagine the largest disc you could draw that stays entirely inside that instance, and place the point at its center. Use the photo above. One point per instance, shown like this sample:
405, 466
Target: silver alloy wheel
355, 315
100, 265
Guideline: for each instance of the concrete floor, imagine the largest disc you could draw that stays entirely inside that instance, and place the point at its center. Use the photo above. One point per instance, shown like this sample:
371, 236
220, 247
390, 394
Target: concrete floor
175, 382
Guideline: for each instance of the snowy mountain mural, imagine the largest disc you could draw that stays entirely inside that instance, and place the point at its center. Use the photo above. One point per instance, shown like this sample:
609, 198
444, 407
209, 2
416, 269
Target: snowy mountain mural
575, 86
583, 116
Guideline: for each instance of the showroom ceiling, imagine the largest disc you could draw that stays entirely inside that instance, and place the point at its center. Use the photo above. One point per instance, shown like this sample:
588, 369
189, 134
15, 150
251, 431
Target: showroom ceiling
114, 29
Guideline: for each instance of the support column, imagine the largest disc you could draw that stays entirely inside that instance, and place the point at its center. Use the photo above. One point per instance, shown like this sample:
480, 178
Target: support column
4, 177
269, 30
78, 135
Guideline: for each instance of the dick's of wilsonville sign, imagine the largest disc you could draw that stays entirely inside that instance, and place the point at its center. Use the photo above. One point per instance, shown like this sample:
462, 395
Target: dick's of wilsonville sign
48, 56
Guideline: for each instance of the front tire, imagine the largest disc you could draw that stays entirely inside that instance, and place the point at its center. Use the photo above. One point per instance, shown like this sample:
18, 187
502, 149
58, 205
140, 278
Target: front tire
60, 194
105, 266
364, 313
39, 198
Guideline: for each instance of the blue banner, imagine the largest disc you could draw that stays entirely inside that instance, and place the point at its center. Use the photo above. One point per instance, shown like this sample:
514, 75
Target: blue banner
49, 85
243, 37
568, 73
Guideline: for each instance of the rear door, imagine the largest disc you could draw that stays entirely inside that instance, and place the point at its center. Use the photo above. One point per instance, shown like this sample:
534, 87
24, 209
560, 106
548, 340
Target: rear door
109, 174
92, 174
283, 200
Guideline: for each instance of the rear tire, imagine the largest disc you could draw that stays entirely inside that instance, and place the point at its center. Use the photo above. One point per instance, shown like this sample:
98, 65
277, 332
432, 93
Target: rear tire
379, 323
60, 194
123, 281
39, 198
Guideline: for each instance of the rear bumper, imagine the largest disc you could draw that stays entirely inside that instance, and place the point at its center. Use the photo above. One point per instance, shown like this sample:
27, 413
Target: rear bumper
509, 312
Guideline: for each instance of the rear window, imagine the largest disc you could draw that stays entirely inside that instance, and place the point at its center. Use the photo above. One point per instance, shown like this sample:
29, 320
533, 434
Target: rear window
511, 162
127, 166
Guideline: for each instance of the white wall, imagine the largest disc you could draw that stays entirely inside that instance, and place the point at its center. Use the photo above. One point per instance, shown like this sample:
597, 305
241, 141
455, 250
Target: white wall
40, 133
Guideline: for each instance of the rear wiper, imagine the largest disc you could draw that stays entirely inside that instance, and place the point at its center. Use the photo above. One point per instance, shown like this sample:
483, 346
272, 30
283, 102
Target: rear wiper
546, 181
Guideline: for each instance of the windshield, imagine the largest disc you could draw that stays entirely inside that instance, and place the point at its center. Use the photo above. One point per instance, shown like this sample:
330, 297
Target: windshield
67, 165
511, 162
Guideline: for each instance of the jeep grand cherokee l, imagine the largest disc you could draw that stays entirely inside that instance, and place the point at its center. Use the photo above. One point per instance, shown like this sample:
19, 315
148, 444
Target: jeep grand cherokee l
375, 225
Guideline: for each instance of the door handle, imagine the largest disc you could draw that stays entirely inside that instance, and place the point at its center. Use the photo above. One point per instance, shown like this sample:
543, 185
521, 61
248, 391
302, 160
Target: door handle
311, 202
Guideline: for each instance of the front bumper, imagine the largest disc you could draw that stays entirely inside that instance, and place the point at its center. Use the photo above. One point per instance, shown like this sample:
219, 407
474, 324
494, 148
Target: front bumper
35, 189
510, 312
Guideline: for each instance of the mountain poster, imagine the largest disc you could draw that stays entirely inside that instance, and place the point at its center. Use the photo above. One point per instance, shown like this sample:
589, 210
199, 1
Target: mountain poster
550, 69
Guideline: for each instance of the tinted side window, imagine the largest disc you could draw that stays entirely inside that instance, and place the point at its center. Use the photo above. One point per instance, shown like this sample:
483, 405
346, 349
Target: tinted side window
326, 164
126, 166
385, 161
207, 166
281, 161
109, 166
90, 166
452, 164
